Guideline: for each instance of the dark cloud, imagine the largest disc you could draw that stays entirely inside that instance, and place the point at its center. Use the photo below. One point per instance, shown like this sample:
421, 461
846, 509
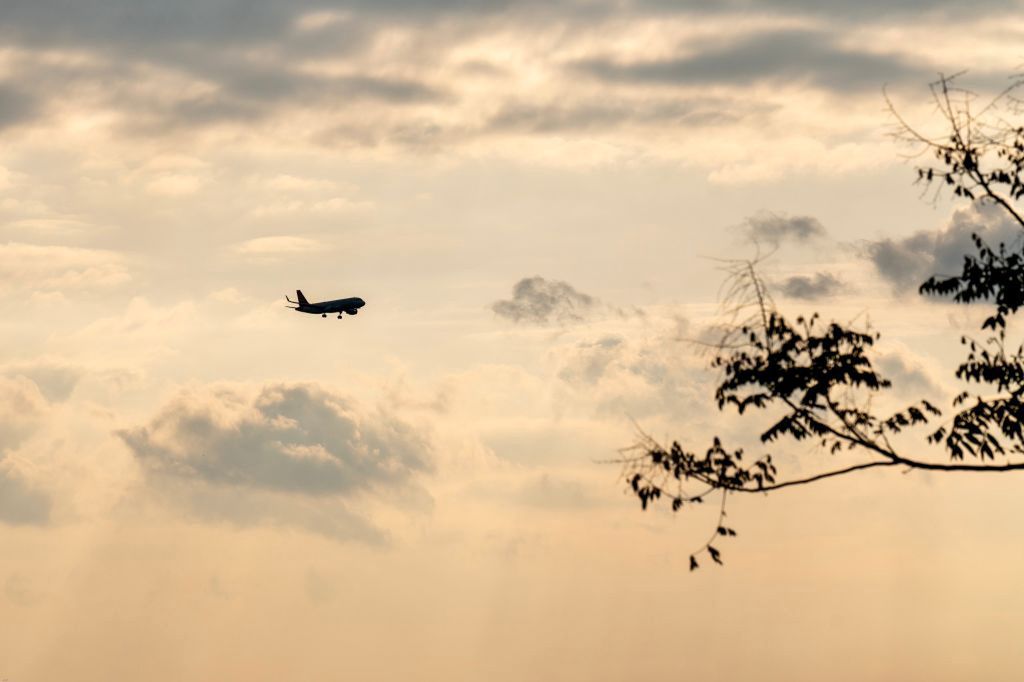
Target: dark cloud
248, 57
256, 94
270, 81
236, 22
772, 228
16, 106
296, 439
245, 51
837, 10
820, 285
790, 56
539, 301
906, 263
242, 85
557, 118
218, 450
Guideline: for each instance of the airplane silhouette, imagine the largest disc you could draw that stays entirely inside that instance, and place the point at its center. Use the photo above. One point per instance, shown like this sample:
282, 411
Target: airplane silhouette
341, 305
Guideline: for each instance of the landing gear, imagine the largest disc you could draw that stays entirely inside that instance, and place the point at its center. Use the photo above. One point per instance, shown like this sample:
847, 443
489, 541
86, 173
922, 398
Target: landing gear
323, 314
339, 316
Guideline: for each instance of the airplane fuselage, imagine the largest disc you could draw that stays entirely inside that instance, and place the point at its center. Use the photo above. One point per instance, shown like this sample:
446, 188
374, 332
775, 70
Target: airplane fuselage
341, 305
349, 306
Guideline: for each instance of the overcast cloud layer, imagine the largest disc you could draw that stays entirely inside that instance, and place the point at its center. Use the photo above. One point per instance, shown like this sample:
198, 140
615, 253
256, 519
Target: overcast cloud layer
435, 77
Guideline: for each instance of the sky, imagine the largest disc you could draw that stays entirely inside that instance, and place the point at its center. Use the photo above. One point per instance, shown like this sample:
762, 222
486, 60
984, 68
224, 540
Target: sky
535, 200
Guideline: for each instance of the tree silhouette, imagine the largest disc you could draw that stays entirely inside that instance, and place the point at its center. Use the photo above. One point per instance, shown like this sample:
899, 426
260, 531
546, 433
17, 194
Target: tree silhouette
819, 376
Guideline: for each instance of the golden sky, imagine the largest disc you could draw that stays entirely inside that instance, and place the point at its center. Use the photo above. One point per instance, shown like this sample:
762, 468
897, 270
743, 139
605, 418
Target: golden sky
199, 484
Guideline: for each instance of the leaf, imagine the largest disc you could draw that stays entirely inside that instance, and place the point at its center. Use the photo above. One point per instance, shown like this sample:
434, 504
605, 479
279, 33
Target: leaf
693, 563
715, 554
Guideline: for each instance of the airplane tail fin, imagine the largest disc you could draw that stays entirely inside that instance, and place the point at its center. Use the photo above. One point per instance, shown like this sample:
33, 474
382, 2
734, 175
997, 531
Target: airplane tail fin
302, 299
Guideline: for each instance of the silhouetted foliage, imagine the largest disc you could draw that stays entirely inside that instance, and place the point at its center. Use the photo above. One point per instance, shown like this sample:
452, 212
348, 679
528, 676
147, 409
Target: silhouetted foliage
819, 376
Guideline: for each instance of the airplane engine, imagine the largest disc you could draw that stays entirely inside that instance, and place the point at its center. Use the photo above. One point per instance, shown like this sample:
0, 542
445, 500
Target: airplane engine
353, 311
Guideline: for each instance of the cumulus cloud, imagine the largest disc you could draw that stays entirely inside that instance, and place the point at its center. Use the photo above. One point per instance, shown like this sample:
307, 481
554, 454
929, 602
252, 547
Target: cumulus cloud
906, 263
20, 503
772, 228
218, 447
22, 407
540, 301
54, 380
658, 374
810, 288
909, 377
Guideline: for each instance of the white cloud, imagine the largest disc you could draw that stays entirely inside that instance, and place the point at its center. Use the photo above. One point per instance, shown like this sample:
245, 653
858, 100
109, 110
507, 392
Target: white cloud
315, 21
59, 268
281, 245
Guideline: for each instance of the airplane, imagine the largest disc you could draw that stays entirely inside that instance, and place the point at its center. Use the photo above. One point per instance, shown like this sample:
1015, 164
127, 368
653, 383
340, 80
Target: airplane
341, 305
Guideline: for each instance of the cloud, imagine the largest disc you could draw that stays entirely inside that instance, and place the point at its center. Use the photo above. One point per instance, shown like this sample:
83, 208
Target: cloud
540, 301
277, 246
907, 263
404, 77
866, 10
772, 228
126, 23
604, 114
182, 70
22, 408
658, 374
16, 106
20, 503
45, 268
820, 285
908, 376
54, 380
790, 56
268, 456
551, 491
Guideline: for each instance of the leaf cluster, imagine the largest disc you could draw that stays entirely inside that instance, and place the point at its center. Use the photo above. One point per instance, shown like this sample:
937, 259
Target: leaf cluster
817, 378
